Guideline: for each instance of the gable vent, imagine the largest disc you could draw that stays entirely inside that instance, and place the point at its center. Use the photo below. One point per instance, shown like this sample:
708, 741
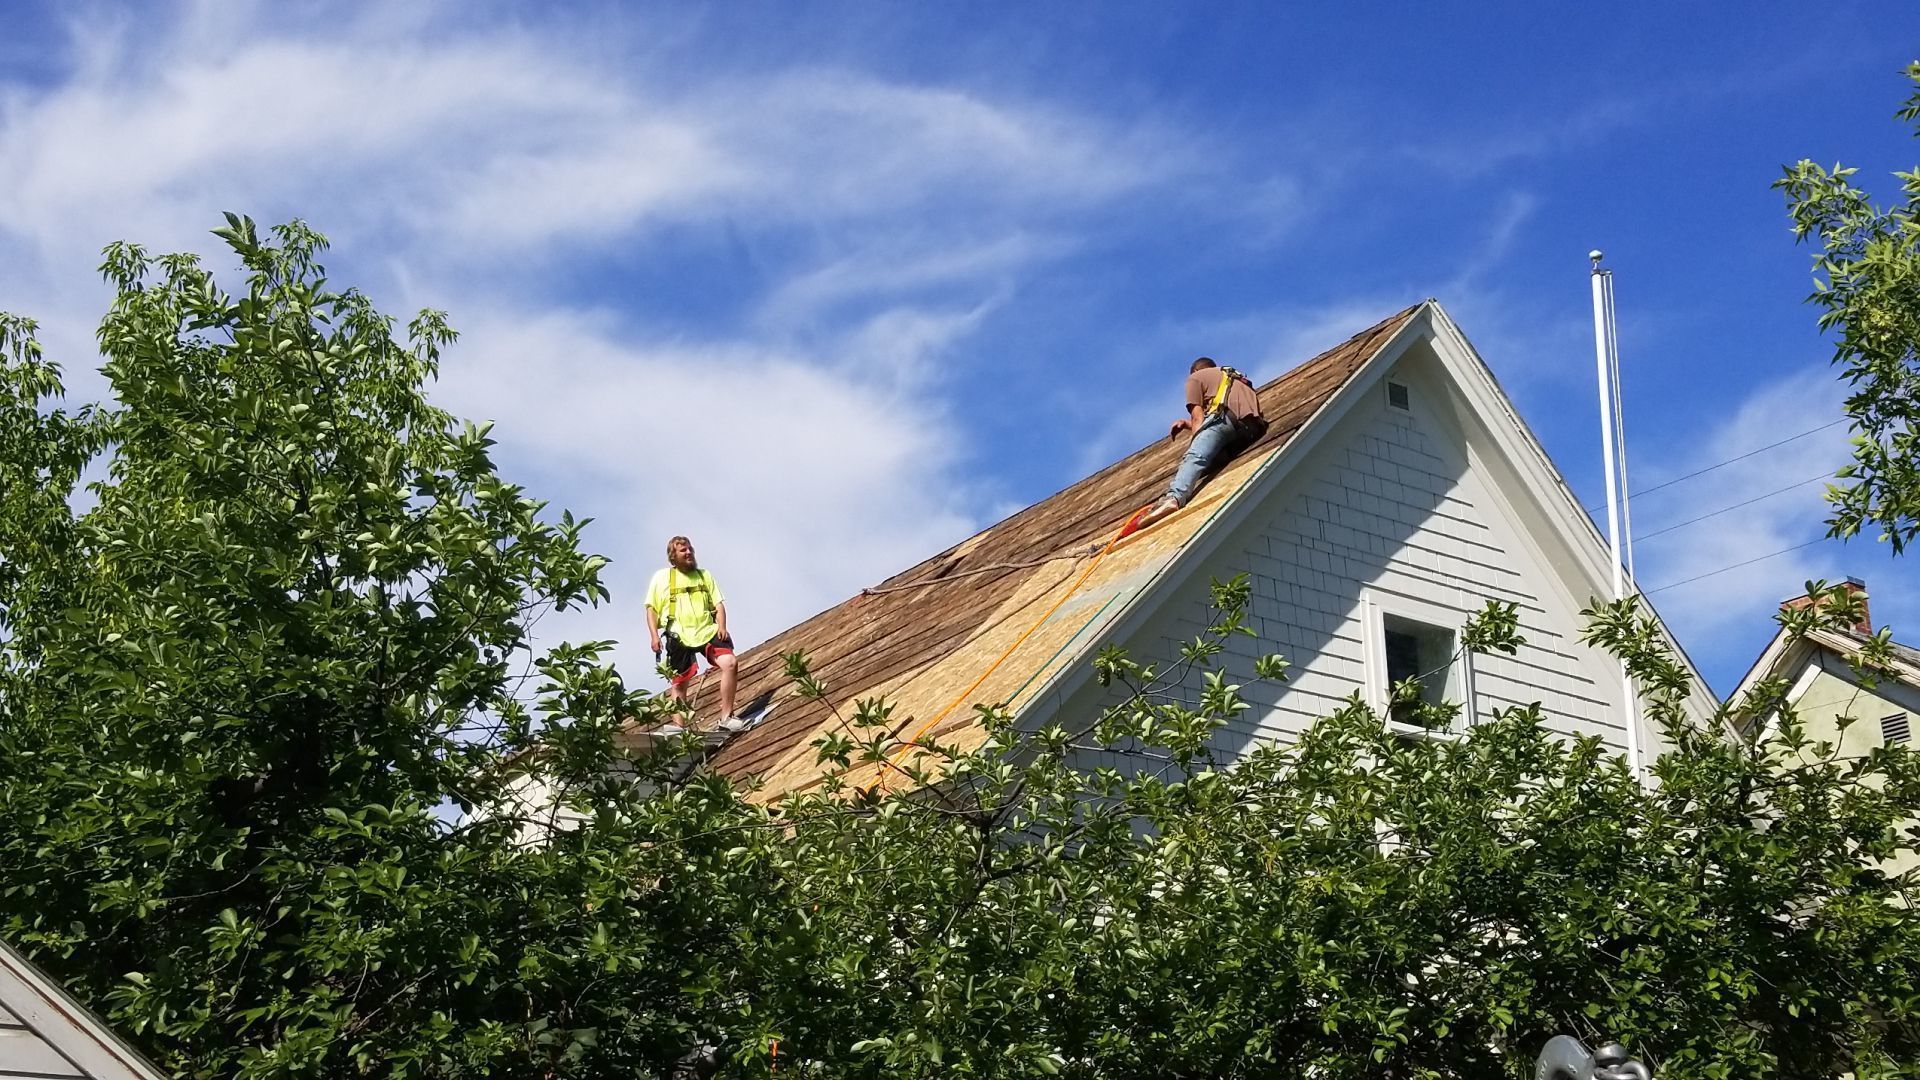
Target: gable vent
1399, 396
1894, 728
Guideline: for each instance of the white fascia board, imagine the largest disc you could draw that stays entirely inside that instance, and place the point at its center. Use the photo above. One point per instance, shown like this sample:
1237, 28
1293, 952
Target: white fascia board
1074, 672
1579, 536
1783, 655
66, 1025
1847, 647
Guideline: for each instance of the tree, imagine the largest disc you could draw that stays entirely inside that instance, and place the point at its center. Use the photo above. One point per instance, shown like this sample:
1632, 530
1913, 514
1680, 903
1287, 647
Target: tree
262, 715
1867, 283
241, 695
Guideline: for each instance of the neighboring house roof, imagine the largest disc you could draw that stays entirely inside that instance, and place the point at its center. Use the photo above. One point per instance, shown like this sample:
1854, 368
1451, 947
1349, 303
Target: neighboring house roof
45, 1033
970, 625
1784, 655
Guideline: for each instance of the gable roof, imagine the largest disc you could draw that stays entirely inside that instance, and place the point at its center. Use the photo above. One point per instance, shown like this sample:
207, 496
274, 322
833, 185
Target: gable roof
46, 1033
1005, 616
1784, 654
920, 636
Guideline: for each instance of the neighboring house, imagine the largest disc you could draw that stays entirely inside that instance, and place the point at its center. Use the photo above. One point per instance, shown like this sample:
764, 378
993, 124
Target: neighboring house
47, 1035
1395, 492
1823, 688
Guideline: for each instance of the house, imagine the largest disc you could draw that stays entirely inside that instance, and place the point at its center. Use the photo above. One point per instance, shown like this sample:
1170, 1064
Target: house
1826, 686
1395, 492
46, 1034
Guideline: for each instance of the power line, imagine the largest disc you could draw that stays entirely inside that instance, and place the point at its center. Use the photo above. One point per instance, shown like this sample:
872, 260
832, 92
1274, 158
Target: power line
1735, 506
1735, 566
1729, 461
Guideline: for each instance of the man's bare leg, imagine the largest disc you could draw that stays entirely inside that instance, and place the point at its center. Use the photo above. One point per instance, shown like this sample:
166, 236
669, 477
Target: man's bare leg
726, 665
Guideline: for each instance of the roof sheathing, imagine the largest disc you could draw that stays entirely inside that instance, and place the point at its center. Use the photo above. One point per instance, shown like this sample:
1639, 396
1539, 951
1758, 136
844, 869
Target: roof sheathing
922, 644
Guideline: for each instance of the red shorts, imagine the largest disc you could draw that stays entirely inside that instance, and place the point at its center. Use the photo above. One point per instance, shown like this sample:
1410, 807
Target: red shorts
682, 658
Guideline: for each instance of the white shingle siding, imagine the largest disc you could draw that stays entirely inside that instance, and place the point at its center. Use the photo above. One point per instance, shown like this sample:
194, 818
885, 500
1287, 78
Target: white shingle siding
1388, 505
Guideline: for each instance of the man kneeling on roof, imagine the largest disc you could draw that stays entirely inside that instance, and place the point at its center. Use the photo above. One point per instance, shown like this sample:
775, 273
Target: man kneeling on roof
1223, 418
687, 616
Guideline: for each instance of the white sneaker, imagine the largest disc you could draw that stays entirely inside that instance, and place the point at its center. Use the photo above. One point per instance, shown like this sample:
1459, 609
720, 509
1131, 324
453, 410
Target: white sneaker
1160, 509
732, 725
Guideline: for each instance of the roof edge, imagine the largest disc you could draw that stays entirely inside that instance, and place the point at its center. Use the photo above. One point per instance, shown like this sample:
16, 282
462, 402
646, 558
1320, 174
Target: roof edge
76, 1032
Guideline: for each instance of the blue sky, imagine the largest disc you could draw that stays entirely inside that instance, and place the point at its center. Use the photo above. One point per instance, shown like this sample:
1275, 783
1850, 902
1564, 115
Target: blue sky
828, 287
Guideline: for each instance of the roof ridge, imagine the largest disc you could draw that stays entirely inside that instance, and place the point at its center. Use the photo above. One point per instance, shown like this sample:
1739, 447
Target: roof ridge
1300, 370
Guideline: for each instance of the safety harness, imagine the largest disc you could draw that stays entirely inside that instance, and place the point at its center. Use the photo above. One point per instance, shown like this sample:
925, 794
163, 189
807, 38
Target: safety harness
1227, 375
702, 584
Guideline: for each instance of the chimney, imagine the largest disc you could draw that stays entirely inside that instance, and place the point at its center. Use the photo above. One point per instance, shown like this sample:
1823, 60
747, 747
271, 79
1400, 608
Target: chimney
1853, 585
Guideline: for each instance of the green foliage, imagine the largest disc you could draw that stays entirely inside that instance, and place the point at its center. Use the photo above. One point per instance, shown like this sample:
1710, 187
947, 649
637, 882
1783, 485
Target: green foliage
1867, 283
241, 696
249, 691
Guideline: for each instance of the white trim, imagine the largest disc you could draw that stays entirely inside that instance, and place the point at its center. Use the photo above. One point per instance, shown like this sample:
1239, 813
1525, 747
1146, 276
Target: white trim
65, 1025
1807, 654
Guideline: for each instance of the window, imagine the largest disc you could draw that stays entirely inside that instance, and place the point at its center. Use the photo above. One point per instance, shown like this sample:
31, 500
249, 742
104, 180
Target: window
1894, 728
1410, 639
1417, 651
1399, 396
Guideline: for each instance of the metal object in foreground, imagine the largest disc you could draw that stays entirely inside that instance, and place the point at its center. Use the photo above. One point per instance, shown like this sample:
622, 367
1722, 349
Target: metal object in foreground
1567, 1058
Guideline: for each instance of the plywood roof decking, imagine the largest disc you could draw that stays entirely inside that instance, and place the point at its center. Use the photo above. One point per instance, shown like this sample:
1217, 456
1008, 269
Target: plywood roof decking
922, 645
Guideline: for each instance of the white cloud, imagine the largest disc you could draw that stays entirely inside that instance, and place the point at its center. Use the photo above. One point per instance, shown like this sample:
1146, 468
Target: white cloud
511, 141
893, 268
274, 119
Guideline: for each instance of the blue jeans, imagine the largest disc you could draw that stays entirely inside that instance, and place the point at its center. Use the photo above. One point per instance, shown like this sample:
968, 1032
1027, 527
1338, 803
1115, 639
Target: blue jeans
1218, 439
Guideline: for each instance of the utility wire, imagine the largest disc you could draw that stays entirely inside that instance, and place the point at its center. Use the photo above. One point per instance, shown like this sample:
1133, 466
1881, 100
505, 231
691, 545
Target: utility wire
1729, 461
1735, 506
1735, 566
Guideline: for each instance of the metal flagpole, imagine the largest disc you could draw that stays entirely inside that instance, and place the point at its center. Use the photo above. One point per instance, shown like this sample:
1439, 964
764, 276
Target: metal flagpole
1613, 456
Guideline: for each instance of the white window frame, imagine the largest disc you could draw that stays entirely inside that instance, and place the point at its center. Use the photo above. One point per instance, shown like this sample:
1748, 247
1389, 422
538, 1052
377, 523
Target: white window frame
1375, 606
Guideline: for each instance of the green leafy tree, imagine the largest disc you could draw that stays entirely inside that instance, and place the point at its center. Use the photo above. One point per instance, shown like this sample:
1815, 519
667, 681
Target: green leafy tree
268, 721
242, 694
1867, 283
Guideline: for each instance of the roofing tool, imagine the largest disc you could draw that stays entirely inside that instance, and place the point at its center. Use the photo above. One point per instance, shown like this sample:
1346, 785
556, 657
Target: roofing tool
1567, 1058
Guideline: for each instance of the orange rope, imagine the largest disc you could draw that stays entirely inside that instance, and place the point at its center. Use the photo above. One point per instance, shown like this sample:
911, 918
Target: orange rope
1126, 528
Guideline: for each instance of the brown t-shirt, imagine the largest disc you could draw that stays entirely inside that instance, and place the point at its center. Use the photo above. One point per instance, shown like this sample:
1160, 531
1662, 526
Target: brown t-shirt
1242, 402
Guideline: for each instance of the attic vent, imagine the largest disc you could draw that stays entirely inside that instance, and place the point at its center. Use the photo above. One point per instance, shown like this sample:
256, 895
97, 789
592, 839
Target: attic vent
1399, 397
1894, 728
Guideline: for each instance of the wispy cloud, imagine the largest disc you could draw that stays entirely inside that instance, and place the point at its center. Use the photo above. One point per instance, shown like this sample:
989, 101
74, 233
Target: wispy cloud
903, 266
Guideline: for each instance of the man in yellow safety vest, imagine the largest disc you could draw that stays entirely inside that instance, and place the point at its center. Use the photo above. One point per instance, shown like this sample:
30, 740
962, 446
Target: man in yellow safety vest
687, 617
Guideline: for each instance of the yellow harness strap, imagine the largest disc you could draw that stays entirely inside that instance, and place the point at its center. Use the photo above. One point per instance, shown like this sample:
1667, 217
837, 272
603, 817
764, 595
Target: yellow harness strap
1227, 375
702, 583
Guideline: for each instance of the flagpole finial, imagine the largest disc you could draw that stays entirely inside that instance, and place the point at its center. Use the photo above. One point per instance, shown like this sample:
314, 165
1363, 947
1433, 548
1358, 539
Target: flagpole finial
1596, 255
